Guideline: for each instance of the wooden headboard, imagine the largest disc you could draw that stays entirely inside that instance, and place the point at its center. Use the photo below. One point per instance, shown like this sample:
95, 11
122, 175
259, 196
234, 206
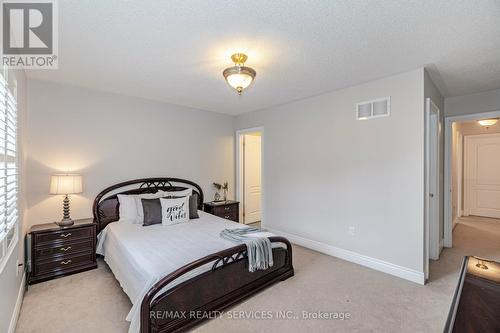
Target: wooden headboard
106, 206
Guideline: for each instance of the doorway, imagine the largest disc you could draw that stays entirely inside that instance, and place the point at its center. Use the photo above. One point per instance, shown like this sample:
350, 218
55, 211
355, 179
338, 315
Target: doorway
472, 171
249, 175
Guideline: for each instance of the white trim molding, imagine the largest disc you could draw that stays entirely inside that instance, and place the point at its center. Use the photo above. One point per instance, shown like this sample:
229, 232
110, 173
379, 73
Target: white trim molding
360, 259
17, 308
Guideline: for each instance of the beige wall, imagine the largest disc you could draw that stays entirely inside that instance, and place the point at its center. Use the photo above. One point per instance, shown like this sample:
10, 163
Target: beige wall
112, 138
325, 171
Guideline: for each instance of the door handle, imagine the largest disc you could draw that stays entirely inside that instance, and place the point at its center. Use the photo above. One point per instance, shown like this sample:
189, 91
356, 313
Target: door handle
431, 195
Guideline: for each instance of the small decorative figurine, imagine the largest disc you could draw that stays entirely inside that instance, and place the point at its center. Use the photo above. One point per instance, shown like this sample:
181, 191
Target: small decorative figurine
224, 189
218, 187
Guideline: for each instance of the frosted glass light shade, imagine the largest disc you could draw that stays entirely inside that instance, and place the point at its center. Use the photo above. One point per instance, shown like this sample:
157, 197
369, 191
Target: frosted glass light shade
488, 122
239, 77
65, 184
239, 80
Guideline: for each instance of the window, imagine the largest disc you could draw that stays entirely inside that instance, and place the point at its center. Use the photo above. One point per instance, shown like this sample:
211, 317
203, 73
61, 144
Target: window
8, 170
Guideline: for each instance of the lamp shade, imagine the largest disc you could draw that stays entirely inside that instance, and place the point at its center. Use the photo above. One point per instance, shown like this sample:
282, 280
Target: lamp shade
66, 184
239, 76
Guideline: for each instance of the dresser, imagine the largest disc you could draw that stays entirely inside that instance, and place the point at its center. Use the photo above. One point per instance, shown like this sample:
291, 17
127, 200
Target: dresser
229, 210
57, 251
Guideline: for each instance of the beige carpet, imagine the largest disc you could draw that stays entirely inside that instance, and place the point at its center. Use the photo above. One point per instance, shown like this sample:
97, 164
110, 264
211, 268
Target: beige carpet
93, 301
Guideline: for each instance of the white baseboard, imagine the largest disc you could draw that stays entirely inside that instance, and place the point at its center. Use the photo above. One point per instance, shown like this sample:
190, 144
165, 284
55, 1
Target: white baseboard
373, 263
17, 308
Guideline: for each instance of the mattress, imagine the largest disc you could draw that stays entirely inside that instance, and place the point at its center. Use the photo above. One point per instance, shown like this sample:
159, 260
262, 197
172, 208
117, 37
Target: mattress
140, 256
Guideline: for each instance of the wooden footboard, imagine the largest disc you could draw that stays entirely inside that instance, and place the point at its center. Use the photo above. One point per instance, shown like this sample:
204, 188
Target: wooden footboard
203, 296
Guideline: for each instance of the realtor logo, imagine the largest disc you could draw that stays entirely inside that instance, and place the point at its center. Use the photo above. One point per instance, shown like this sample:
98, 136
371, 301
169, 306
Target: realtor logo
29, 34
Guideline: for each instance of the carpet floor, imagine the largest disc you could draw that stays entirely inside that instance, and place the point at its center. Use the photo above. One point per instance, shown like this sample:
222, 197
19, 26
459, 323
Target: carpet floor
375, 302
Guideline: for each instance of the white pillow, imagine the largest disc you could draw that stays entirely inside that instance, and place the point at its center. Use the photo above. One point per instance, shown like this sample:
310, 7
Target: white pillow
183, 193
138, 204
127, 209
174, 211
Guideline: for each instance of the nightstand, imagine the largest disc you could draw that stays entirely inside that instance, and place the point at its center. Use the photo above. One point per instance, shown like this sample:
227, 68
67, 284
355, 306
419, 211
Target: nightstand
57, 251
229, 210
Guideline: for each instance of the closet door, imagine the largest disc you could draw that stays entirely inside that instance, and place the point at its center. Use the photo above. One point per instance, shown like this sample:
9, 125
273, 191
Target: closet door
252, 179
482, 175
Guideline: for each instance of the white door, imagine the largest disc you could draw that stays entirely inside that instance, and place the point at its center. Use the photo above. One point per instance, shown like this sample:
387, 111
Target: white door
252, 183
433, 245
482, 175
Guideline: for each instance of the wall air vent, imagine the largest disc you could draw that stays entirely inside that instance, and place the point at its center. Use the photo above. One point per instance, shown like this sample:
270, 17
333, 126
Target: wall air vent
376, 108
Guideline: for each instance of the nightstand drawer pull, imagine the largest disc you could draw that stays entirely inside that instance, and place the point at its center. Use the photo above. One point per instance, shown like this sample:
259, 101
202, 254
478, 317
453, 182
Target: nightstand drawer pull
66, 262
66, 235
227, 208
227, 217
64, 249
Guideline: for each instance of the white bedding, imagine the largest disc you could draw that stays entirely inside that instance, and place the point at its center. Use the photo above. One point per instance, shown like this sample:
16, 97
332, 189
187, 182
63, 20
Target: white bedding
140, 256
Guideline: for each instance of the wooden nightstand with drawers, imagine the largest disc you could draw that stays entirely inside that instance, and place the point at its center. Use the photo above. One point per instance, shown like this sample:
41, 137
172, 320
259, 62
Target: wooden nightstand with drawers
229, 210
57, 251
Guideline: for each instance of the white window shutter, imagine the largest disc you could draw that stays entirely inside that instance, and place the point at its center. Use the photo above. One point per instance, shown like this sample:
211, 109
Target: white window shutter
8, 169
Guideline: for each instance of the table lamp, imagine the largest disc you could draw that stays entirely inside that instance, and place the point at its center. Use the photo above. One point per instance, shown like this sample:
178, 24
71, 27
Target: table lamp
65, 184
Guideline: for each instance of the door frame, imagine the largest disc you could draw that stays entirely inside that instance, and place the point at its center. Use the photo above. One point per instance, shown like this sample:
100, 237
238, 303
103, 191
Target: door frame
239, 169
431, 250
448, 121
460, 174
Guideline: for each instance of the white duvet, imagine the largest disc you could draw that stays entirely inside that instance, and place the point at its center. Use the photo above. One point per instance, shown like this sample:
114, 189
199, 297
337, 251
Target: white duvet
140, 256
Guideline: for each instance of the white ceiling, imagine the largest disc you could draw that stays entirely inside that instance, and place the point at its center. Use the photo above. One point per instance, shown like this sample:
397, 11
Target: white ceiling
175, 51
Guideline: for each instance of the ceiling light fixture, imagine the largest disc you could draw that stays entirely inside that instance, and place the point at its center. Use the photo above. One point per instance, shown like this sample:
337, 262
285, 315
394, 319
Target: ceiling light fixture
488, 122
239, 76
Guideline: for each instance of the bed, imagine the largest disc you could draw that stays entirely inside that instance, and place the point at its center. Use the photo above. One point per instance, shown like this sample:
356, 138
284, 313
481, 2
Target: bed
177, 276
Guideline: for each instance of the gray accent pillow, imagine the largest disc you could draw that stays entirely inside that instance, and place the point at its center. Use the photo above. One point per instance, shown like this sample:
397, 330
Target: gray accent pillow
152, 211
193, 205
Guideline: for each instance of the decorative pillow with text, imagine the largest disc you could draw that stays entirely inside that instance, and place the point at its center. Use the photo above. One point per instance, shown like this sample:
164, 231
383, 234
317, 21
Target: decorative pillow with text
174, 210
